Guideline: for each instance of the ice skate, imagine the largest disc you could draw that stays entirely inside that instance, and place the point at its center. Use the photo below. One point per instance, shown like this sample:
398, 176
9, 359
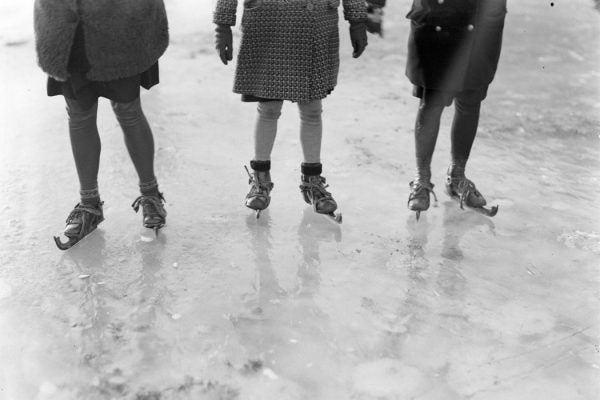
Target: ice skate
153, 211
80, 222
314, 191
418, 199
464, 191
259, 196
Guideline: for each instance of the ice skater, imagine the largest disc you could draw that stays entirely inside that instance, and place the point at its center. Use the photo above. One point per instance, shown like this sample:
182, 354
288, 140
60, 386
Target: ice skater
453, 52
93, 49
289, 51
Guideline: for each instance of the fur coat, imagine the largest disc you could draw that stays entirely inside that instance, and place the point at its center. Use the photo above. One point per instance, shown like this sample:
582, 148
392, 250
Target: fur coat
454, 45
122, 37
289, 49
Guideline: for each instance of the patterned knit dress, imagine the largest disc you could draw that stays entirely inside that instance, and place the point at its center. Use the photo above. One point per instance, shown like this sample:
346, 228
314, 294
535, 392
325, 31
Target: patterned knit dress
289, 48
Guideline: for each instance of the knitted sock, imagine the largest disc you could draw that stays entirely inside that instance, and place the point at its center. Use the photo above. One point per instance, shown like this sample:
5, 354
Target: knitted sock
427, 126
311, 130
138, 137
149, 188
311, 169
89, 197
265, 128
260, 166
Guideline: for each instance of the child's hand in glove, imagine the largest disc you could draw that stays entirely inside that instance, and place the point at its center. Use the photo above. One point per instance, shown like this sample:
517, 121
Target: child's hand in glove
224, 42
358, 37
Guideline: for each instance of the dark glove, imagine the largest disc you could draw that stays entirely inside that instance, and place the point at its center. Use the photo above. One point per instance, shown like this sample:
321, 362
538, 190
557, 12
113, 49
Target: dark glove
224, 42
375, 17
358, 37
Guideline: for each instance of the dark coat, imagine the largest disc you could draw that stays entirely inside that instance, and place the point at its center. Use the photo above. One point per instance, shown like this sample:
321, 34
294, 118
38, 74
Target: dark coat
454, 44
289, 49
122, 37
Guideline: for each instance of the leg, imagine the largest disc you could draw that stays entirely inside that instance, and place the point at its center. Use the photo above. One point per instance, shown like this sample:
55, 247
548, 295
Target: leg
311, 130
313, 185
427, 127
139, 141
464, 129
86, 146
140, 145
265, 131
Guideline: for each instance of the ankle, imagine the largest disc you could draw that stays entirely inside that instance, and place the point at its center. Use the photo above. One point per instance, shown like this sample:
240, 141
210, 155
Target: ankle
310, 169
149, 188
457, 168
90, 197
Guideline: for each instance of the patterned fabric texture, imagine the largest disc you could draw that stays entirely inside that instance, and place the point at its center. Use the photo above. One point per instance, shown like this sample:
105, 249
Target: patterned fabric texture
289, 48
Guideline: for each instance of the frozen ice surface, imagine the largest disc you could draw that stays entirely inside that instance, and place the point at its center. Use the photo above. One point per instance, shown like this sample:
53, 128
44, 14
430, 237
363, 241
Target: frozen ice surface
291, 306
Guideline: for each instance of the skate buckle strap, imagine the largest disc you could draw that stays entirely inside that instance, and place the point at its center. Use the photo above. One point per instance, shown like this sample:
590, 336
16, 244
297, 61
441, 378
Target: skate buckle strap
258, 188
155, 201
421, 190
83, 208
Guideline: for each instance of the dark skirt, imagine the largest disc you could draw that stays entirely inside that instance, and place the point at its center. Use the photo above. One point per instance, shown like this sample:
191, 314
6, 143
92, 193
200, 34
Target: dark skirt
86, 92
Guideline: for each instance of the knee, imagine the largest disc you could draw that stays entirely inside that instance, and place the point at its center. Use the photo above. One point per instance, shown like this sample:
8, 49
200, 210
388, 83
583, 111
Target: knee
467, 106
79, 114
311, 112
270, 110
128, 113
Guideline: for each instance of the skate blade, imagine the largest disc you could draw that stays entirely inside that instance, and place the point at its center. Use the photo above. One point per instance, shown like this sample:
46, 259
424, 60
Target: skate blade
337, 218
418, 213
65, 245
488, 212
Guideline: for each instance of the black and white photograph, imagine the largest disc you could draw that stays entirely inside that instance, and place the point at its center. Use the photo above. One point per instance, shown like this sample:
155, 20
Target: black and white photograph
300, 200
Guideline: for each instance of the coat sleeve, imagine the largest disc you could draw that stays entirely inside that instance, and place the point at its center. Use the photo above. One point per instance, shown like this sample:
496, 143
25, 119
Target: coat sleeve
355, 10
225, 12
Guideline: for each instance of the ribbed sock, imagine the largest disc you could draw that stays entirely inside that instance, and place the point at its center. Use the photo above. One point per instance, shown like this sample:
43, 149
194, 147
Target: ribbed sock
90, 197
149, 188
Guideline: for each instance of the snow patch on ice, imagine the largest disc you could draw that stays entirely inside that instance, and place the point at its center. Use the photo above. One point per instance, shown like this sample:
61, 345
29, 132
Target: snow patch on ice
589, 241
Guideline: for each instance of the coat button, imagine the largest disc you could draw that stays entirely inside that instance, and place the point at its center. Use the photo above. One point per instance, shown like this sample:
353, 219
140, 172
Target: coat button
440, 1
310, 6
470, 27
438, 28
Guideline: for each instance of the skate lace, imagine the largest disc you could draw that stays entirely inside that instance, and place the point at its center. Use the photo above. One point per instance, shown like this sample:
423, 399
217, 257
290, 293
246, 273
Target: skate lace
318, 184
76, 215
421, 190
258, 188
151, 205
